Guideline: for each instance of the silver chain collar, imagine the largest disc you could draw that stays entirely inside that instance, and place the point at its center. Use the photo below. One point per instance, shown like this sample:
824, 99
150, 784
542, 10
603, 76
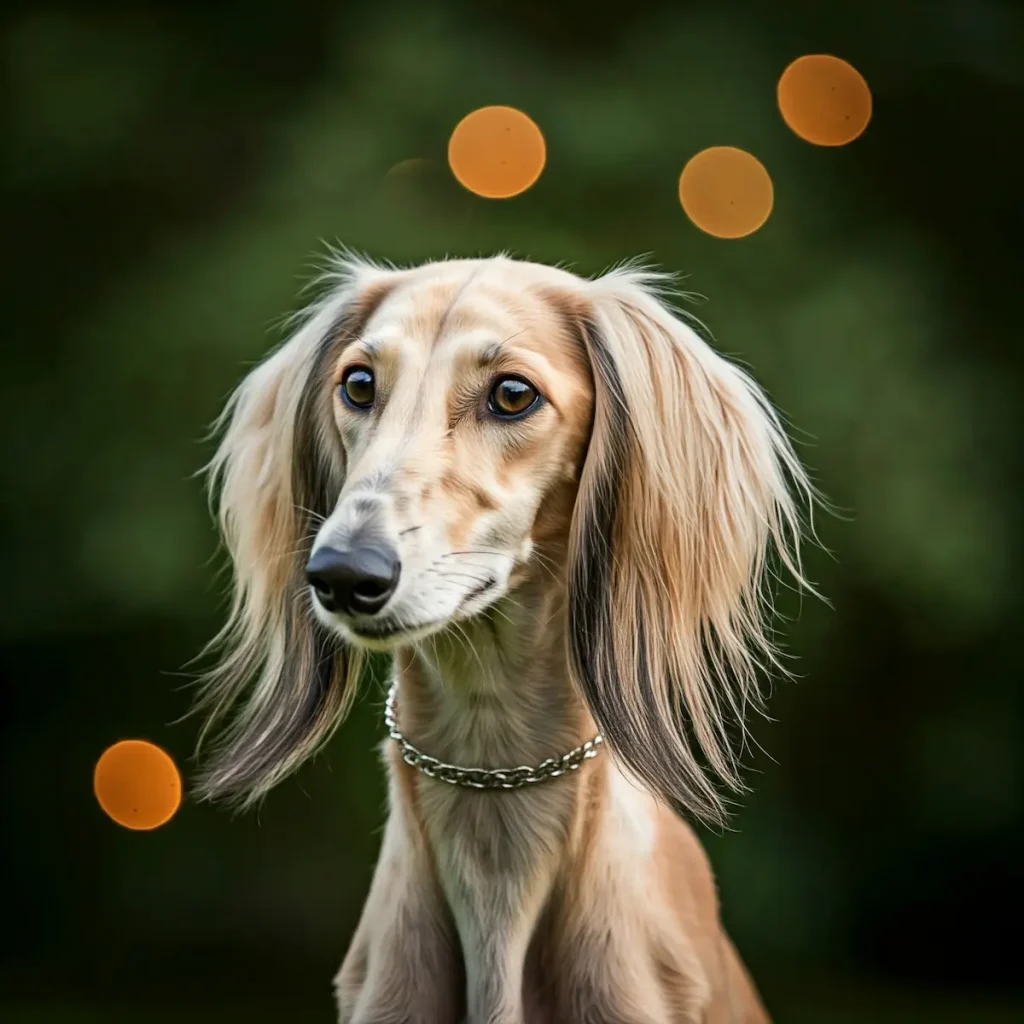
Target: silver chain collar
484, 778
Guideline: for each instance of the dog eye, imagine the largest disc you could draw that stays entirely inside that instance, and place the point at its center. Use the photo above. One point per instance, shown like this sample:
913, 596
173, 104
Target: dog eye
357, 387
511, 397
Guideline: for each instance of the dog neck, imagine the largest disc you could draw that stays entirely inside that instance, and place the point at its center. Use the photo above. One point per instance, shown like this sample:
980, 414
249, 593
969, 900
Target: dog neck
495, 693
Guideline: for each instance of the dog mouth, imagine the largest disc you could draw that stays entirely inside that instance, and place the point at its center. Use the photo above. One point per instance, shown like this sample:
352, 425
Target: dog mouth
488, 584
380, 631
386, 630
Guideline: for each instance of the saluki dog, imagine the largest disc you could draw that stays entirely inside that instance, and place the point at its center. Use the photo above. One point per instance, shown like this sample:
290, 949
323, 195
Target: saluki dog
555, 505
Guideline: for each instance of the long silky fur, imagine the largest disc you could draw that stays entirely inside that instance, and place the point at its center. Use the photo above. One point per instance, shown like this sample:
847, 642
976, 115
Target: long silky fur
283, 683
688, 484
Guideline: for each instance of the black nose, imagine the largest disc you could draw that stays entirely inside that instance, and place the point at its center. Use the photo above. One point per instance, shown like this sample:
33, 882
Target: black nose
358, 580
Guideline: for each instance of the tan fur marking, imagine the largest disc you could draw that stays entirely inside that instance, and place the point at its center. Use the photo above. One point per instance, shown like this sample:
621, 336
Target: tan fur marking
460, 488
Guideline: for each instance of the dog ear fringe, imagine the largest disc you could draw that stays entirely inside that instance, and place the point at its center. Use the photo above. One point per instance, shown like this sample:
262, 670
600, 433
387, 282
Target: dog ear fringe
283, 683
689, 486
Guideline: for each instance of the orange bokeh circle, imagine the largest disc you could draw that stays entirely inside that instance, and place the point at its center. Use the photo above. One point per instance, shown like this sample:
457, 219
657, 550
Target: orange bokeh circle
137, 784
726, 192
824, 100
496, 152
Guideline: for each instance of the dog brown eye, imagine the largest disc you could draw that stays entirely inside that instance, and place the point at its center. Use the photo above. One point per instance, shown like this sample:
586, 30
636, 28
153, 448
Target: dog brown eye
357, 388
512, 397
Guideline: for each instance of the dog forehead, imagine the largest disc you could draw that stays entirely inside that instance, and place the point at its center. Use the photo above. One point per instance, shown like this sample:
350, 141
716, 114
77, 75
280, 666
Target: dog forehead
468, 300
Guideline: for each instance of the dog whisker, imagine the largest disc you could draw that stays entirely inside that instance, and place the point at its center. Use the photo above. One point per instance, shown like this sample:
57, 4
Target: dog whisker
477, 551
470, 646
318, 517
460, 575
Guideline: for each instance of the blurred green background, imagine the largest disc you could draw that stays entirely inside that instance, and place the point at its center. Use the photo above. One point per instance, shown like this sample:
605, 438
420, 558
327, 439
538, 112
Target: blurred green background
171, 172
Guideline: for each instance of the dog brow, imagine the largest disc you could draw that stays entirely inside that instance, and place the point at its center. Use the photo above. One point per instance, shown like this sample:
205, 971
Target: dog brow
492, 353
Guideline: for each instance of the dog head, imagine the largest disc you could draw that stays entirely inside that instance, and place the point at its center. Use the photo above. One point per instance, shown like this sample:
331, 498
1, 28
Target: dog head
431, 438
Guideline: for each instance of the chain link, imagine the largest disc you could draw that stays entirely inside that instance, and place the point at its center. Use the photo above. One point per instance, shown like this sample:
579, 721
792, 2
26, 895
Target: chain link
484, 778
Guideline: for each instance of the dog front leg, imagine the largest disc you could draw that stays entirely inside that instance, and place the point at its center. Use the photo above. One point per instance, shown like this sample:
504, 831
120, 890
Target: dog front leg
403, 965
495, 918
494, 958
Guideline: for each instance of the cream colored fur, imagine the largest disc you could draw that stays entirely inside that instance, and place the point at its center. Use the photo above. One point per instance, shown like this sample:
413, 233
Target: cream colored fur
624, 529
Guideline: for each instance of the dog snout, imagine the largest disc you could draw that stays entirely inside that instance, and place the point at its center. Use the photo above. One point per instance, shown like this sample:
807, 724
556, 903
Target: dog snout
357, 580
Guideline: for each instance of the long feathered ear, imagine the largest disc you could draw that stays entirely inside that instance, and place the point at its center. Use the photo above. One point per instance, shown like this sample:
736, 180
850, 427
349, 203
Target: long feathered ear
688, 483
276, 474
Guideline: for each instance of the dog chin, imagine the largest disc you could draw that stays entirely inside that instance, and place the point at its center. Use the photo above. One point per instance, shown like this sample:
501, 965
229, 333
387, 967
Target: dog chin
382, 638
